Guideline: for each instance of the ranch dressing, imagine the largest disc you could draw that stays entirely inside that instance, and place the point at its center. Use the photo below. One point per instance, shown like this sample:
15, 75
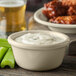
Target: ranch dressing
37, 39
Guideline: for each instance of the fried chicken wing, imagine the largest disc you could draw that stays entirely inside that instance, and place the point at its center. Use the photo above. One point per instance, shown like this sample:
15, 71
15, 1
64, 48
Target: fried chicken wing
54, 9
61, 11
72, 10
69, 2
64, 20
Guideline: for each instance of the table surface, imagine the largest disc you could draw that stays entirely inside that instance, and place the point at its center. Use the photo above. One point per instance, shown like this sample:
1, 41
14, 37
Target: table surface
68, 67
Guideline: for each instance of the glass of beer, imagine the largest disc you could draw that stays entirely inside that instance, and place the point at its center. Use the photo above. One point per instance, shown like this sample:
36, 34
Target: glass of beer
12, 16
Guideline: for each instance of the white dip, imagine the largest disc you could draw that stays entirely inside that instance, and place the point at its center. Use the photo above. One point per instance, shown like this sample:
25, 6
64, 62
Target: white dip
38, 39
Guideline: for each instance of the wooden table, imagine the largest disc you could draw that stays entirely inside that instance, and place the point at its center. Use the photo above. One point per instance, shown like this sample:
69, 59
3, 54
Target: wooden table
68, 67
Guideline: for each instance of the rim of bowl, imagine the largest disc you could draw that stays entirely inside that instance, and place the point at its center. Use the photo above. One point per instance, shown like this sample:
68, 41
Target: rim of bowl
32, 46
46, 23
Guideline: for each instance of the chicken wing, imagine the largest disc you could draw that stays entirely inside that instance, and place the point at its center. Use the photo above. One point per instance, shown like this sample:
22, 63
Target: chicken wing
69, 2
72, 10
54, 9
64, 20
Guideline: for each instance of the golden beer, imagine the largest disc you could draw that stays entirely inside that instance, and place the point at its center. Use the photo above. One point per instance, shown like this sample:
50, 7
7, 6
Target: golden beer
12, 16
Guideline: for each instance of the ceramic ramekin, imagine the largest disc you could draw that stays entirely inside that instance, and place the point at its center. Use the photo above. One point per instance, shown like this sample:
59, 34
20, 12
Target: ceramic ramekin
38, 57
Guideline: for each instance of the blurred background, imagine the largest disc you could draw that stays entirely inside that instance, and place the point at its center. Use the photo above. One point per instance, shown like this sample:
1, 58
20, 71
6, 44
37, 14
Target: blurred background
33, 5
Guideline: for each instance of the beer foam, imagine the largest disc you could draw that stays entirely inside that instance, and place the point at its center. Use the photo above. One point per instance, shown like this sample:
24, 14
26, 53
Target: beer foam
11, 3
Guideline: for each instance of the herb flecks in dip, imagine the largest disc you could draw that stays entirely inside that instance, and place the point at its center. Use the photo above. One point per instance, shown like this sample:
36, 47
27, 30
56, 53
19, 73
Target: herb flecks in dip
38, 39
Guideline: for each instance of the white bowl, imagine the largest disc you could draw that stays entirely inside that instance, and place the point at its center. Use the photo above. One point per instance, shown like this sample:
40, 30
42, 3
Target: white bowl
39, 57
64, 28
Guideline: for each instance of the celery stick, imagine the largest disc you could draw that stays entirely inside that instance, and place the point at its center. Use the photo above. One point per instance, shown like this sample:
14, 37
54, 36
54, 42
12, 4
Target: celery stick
8, 59
3, 40
4, 43
3, 50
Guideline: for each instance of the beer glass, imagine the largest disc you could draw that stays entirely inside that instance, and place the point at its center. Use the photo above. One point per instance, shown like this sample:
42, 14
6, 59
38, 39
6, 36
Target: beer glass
12, 16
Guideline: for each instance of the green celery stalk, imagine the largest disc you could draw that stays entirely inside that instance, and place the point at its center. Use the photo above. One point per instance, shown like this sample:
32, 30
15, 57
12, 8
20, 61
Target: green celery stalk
4, 43
4, 40
3, 50
8, 59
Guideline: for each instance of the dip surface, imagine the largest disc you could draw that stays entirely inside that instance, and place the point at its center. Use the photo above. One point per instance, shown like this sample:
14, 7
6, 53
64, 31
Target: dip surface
38, 39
